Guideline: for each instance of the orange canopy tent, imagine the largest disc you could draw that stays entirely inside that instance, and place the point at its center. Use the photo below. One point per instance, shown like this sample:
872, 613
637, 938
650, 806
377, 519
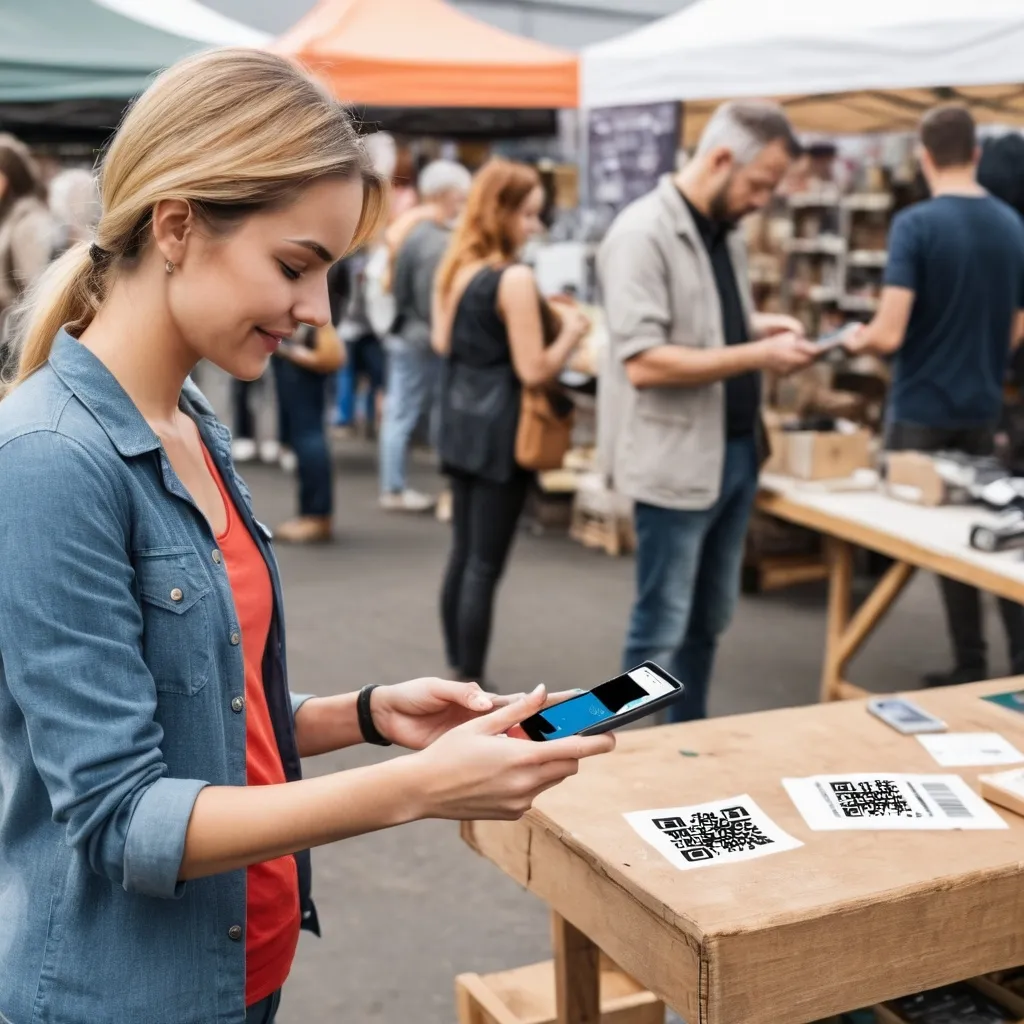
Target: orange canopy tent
425, 53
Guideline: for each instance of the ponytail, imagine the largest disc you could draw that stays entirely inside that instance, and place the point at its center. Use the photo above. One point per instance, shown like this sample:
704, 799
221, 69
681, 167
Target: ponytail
67, 293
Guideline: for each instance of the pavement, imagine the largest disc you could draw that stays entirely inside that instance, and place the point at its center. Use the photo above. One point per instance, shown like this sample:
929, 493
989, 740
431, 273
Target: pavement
404, 911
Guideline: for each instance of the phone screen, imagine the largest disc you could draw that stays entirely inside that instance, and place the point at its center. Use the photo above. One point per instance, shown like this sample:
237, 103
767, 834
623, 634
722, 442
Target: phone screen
902, 712
624, 693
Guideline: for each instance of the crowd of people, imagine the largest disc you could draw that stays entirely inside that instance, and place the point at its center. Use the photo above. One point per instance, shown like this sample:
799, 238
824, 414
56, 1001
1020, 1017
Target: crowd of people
155, 823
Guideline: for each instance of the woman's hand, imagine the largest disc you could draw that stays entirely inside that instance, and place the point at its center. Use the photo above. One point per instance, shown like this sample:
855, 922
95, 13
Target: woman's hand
476, 771
416, 713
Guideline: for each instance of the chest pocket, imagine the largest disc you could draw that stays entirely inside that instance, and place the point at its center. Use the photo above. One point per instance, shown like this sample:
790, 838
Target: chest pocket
176, 637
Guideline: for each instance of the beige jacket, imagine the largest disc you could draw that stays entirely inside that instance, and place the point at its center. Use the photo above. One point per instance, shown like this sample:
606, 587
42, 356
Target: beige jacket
27, 239
662, 446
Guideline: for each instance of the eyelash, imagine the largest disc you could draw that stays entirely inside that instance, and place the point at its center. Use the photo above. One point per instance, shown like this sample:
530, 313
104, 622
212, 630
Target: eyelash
292, 275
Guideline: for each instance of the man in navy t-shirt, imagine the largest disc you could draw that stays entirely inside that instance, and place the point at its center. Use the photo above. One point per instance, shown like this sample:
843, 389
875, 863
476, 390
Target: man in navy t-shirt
949, 315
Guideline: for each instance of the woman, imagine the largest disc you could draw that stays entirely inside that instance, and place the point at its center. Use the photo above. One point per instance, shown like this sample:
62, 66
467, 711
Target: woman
302, 383
153, 817
489, 324
28, 235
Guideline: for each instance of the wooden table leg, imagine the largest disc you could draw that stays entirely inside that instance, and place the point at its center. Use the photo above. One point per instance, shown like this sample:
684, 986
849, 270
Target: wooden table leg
840, 560
846, 634
577, 974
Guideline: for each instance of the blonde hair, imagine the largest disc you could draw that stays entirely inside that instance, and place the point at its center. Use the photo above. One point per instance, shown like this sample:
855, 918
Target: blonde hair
231, 132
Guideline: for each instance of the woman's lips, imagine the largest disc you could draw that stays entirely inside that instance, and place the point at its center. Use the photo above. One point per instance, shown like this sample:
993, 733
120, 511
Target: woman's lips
272, 341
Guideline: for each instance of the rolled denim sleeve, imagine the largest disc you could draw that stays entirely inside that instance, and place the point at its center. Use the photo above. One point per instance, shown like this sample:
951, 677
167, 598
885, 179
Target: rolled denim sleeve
70, 637
298, 699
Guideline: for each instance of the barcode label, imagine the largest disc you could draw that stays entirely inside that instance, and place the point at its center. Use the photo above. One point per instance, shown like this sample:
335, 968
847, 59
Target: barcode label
899, 801
947, 800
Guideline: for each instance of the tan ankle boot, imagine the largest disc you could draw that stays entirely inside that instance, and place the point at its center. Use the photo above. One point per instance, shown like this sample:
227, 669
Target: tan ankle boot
304, 530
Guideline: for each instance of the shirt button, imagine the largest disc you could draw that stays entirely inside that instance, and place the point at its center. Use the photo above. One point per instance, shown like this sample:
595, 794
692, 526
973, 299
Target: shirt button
216, 557
236, 639
235, 933
238, 705
176, 594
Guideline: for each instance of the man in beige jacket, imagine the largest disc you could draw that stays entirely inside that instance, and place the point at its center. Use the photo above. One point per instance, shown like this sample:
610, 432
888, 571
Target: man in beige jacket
680, 399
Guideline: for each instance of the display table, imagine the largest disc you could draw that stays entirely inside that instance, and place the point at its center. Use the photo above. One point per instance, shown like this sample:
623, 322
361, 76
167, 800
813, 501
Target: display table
847, 920
916, 537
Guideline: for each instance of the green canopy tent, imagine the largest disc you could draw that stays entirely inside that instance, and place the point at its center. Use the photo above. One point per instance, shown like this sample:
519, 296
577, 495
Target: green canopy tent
69, 67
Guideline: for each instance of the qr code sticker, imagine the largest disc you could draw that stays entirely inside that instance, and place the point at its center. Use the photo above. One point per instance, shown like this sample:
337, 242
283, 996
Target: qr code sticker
896, 801
711, 833
873, 798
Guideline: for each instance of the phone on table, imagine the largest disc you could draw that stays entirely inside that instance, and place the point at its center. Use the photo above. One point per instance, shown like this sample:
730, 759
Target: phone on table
905, 716
635, 694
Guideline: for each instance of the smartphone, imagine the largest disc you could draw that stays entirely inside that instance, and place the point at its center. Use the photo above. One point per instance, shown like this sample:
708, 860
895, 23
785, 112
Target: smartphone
826, 343
904, 716
635, 694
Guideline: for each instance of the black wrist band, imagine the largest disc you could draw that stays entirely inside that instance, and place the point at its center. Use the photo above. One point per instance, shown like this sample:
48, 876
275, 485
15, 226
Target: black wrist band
365, 716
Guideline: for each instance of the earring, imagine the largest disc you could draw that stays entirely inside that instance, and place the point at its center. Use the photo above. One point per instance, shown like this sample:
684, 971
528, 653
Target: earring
169, 267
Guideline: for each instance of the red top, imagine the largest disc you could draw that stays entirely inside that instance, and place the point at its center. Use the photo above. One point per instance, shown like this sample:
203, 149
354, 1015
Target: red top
272, 890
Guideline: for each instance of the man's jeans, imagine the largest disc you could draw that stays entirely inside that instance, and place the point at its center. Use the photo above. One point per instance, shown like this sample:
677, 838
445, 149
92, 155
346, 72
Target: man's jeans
411, 385
688, 568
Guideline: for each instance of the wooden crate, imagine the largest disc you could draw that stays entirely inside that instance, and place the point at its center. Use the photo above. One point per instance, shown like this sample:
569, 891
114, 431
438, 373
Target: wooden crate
604, 520
527, 996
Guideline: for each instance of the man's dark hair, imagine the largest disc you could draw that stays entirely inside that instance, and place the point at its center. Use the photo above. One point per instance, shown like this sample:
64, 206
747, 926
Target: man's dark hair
949, 136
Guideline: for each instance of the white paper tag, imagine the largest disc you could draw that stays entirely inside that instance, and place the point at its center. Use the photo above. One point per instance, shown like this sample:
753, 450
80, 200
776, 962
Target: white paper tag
718, 832
879, 801
963, 749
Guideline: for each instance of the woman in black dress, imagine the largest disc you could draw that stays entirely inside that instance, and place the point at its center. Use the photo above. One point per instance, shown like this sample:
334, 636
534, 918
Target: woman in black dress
489, 325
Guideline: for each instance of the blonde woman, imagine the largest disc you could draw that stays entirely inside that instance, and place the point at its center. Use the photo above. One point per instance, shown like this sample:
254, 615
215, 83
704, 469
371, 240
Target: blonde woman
153, 818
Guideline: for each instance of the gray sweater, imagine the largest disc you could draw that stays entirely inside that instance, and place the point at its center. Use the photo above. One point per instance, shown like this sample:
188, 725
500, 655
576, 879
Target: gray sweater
413, 282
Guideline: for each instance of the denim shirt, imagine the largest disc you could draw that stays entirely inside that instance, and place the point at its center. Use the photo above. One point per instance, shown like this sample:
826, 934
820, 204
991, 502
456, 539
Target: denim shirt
122, 694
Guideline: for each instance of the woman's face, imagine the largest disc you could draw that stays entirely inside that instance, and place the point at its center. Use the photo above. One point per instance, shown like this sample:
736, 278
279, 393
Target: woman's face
527, 223
235, 297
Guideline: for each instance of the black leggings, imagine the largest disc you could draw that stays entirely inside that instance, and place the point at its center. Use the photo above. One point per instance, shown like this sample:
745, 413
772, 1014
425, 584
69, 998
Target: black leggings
484, 517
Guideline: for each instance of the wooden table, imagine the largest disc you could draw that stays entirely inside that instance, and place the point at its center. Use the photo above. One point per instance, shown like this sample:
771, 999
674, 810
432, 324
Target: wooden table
848, 920
916, 537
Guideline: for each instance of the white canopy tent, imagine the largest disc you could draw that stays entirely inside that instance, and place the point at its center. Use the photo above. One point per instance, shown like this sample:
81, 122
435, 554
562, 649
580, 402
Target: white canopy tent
838, 65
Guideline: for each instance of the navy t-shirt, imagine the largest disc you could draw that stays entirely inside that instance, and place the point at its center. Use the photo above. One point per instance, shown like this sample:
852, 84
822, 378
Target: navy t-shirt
963, 257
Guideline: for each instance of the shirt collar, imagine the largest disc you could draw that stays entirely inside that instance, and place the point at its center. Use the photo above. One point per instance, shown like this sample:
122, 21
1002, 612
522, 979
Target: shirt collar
99, 391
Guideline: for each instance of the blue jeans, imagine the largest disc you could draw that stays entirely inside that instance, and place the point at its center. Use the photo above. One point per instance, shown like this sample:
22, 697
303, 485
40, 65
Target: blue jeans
688, 580
264, 1011
412, 376
301, 400
365, 359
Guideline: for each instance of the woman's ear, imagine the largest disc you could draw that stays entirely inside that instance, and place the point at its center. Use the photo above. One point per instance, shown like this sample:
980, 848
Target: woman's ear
172, 225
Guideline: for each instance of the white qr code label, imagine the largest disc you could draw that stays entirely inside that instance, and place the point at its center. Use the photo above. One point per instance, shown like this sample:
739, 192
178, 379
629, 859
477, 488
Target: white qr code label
718, 832
869, 801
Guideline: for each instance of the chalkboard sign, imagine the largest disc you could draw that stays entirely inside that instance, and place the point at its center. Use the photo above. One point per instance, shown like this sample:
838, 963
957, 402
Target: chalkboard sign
630, 148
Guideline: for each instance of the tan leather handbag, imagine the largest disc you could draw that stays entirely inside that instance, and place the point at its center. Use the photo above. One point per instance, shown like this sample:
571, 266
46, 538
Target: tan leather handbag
545, 429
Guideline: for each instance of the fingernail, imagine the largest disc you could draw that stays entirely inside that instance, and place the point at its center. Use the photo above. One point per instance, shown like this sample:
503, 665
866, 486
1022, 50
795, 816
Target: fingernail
538, 689
481, 703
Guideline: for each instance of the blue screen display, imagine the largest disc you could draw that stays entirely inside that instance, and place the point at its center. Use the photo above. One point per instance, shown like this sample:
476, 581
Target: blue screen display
574, 715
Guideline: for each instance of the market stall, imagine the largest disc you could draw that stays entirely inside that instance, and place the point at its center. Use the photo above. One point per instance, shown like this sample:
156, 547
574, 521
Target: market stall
422, 66
871, 66
915, 536
875, 870
69, 67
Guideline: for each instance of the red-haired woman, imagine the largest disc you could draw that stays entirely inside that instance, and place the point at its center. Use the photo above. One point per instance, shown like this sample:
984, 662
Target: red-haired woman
489, 324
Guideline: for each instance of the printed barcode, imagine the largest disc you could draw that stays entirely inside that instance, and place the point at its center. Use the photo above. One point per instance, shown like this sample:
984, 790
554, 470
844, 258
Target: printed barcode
949, 803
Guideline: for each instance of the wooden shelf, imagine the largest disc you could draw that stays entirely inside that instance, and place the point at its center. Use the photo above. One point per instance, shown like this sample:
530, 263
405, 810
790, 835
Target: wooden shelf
867, 258
867, 202
823, 245
858, 304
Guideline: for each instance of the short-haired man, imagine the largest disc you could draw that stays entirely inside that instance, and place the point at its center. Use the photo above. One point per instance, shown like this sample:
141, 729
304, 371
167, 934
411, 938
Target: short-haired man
949, 315
680, 401
418, 239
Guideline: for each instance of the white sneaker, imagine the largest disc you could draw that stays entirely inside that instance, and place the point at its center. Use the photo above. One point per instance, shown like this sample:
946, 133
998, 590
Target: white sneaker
270, 452
407, 501
243, 449
289, 461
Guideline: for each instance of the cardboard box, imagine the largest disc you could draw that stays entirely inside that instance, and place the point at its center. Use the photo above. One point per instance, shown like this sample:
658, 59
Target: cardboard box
814, 455
920, 478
